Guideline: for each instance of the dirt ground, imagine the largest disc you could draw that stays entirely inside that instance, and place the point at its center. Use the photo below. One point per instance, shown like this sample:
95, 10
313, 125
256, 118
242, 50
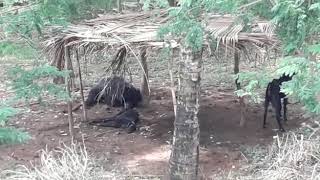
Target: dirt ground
147, 150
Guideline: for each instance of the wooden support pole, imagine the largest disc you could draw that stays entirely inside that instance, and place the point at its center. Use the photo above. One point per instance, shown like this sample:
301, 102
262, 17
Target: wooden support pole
81, 88
119, 6
241, 99
68, 87
145, 89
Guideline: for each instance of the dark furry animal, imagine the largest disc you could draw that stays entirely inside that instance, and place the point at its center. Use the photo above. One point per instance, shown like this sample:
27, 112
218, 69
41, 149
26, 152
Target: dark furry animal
114, 92
274, 95
125, 119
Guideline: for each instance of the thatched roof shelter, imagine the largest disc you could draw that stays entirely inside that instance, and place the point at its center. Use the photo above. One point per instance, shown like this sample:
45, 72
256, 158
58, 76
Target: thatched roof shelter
140, 29
135, 30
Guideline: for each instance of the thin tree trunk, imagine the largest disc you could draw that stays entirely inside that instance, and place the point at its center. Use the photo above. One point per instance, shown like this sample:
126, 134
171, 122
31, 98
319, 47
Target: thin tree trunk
241, 99
119, 5
145, 90
81, 88
184, 159
68, 86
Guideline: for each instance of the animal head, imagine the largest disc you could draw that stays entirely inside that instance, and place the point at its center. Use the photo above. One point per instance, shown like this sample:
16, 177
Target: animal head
131, 128
286, 77
92, 98
133, 95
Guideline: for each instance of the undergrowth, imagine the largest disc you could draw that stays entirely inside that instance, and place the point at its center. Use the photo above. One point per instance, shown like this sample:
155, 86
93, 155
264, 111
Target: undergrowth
68, 163
293, 156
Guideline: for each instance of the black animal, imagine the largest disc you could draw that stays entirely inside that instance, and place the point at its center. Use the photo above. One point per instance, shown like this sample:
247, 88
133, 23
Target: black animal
114, 92
125, 119
274, 95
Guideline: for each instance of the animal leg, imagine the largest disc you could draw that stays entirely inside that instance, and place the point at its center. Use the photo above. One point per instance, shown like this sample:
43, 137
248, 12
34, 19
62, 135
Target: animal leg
285, 103
266, 105
110, 123
277, 107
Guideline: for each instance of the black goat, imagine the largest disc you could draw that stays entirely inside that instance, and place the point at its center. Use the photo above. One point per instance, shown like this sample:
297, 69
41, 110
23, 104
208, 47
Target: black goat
274, 95
125, 119
114, 92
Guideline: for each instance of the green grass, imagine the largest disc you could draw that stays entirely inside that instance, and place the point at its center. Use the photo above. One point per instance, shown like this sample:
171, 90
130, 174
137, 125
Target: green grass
18, 51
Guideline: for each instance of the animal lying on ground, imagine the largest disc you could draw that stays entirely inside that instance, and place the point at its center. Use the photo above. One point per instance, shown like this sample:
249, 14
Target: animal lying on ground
125, 119
274, 95
114, 92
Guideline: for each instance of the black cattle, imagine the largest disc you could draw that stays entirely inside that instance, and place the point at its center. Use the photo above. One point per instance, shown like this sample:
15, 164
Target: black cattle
114, 92
274, 95
125, 119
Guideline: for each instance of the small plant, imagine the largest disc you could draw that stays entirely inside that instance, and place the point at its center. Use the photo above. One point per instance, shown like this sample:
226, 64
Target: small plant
293, 156
305, 85
252, 84
35, 83
10, 135
16, 50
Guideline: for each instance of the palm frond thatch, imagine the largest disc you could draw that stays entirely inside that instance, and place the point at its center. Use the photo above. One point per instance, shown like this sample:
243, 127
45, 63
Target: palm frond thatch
140, 29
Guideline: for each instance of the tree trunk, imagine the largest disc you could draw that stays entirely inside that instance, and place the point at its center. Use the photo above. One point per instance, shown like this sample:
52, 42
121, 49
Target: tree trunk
241, 99
184, 159
68, 87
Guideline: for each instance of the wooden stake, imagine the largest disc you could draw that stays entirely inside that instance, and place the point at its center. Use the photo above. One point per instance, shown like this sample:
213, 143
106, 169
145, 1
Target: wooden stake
68, 87
120, 6
145, 91
241, 99
81, 88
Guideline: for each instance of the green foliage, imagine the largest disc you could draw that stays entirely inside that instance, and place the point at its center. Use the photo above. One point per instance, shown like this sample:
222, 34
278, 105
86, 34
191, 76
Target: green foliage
34, 83
185, 23
147, 4
41, 13
8, 48
314, 48
251, 83
305, 85
11, 135
28, 84
5, 113
297, 22
221, 6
